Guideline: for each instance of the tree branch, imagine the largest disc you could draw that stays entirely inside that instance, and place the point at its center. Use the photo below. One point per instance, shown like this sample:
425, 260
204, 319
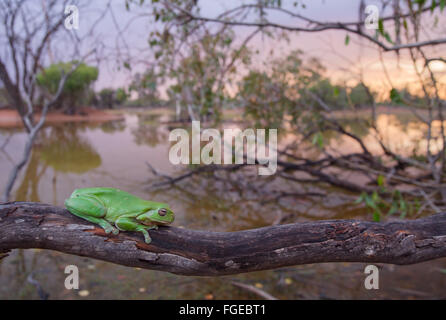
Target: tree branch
311, 24
203, 253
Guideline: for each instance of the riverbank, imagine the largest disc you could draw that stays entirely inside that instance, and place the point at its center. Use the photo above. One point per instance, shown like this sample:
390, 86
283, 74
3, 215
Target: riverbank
10, 118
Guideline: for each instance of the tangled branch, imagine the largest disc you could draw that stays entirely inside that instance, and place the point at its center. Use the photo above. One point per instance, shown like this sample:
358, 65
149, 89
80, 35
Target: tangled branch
205, 253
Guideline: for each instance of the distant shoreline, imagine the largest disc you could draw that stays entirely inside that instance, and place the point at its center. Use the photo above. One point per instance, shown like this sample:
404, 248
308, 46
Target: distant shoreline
10, 118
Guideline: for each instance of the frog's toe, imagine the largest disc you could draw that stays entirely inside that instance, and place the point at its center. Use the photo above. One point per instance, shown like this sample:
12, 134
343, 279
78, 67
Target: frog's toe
109, 230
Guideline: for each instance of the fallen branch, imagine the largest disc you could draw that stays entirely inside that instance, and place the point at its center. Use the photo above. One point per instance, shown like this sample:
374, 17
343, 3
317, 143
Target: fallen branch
252, 289
204, 253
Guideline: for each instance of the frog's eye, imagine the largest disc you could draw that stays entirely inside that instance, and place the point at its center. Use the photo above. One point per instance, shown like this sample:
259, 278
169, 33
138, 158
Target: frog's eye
162, 212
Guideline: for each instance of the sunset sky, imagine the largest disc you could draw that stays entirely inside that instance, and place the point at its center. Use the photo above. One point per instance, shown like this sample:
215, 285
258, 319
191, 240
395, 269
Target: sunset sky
344, 63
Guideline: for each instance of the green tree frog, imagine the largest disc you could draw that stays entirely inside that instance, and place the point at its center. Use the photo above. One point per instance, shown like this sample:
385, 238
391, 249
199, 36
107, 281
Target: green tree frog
115, 210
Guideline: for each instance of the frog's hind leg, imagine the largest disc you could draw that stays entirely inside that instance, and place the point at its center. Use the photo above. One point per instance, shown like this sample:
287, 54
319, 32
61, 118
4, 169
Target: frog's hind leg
108, 228
129, 224
93, 211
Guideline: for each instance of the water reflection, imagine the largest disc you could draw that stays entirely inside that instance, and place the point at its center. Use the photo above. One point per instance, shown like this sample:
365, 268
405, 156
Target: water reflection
29, 187
63, 149
148, 132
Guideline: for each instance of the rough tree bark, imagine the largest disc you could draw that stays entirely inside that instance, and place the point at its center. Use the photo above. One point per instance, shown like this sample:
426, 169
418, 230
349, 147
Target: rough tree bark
202, 253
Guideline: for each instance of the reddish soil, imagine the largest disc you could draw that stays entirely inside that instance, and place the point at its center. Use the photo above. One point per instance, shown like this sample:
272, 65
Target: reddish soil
10, 118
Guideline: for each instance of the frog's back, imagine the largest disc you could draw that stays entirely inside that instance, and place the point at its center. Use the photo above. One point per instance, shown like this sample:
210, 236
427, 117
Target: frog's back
106, 194
94, 191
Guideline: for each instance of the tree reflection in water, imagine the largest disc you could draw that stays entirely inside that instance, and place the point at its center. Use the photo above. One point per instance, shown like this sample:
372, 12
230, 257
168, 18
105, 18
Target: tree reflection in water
65, 150
61, 148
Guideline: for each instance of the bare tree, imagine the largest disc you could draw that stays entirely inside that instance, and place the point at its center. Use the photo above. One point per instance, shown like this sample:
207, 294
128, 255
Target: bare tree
26, 34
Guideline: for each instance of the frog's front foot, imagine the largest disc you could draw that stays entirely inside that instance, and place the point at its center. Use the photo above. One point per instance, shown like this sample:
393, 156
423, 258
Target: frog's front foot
147, 238
110, 229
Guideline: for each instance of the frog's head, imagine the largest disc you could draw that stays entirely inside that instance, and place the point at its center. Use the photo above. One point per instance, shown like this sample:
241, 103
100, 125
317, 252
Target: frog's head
160, 215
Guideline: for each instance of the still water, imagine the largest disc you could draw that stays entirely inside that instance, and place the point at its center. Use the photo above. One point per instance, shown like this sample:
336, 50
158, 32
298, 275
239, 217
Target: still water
115, 154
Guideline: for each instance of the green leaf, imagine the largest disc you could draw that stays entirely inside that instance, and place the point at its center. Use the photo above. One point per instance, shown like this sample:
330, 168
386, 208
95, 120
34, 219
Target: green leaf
370, 203
347, 39
380, 180
420, 2
336, 91
395, 96
442, 5
387, 36
318, 139
376, 216
127, 66
381, 26
403, 205
405, 24
227, 41
153, 42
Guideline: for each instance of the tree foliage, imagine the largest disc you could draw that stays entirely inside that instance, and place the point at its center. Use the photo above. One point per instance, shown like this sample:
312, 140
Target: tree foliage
201, 70
146, 85
75, 85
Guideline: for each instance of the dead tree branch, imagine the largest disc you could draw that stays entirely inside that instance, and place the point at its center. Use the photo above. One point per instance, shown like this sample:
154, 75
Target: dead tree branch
257, 291
204, 253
